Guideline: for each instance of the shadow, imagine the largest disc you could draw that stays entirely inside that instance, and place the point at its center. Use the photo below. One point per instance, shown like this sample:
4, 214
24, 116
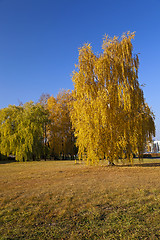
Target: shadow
4, 159
7, 161
140, 165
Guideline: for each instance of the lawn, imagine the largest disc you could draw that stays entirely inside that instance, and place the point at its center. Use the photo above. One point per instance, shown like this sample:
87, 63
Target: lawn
64, 200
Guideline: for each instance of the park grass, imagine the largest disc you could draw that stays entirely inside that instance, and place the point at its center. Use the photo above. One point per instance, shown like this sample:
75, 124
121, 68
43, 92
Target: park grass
63, 200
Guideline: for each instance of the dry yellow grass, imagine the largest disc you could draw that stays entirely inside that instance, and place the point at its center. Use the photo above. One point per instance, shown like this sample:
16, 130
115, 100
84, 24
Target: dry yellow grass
63, 200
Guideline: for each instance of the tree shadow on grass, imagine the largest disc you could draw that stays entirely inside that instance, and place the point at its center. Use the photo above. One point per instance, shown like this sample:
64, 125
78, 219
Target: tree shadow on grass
7, 161
157, 164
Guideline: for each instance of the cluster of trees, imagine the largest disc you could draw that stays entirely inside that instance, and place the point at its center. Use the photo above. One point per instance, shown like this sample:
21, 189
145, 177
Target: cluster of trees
105, 116
38, 130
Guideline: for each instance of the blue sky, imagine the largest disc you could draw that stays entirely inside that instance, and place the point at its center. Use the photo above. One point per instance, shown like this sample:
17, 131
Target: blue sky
39, 41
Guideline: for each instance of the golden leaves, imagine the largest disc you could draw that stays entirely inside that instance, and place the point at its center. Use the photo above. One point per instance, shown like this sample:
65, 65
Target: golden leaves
108, 101
60, 133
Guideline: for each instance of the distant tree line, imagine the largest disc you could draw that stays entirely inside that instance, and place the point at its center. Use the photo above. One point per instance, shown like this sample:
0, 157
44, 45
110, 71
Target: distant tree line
104, 117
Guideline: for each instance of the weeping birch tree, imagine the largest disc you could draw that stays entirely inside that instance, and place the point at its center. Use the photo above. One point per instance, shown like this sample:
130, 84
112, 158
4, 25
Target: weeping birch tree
109, 113
22, 131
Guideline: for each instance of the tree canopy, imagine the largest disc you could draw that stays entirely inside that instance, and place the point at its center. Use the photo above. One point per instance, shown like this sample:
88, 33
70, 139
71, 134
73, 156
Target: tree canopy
22, 131
109, 113
61, 135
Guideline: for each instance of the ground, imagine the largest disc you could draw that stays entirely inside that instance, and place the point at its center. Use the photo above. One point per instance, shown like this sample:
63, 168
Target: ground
64, 200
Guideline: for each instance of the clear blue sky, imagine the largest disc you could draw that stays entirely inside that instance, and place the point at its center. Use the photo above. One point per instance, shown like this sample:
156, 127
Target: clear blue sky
39, 41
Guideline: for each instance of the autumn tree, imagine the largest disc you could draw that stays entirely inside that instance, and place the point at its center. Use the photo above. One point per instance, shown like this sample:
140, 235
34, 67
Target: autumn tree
9, 118
109, 113
60, 135
22, 131
32, 131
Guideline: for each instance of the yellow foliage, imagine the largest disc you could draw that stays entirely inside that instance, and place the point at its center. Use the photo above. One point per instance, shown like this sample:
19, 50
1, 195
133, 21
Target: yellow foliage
109, 114
60, 133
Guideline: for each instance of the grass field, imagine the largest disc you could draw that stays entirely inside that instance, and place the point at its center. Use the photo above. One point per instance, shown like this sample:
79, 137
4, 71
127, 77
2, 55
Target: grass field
63, 200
